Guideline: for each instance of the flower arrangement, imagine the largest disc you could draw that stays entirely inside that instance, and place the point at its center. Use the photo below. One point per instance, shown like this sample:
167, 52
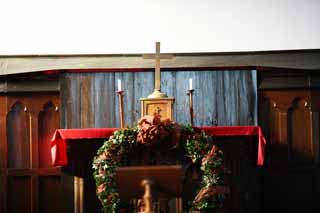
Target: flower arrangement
152, 134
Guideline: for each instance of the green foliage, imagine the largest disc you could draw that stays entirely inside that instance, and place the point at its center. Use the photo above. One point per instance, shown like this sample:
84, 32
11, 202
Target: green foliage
194, 143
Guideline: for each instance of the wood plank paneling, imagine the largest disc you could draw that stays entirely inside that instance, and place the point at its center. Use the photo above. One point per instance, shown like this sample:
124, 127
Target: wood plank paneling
86, 104
104, 100
127, 80
109, 103
220, 98
181, 109
65, 82
72, 101
142, 88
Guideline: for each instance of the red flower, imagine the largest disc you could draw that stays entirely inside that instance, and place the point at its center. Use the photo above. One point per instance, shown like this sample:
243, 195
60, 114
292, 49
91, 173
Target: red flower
103, 156
153, 130
211, 154
101, 171
210, 192
101, 188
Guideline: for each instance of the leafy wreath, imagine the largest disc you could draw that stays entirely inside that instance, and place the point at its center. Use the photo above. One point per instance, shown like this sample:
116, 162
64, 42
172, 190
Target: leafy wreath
152, 134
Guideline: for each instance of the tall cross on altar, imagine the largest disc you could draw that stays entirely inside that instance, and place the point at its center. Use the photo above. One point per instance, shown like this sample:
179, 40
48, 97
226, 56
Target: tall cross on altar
157, 81
157, 103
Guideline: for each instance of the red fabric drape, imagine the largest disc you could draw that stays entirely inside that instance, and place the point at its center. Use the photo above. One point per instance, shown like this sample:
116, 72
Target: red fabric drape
60, 137
240, 131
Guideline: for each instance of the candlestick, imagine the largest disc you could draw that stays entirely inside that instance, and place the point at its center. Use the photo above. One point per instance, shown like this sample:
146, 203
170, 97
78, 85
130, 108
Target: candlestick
190, 83
120, 95
147, 197
119, 85
190, 94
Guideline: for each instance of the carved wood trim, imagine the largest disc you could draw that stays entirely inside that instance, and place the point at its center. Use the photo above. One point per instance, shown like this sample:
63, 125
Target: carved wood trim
315, 124
34, 136
281, 110
3, 132
31, 104
29, 86
3, 153
34, 172
300, 145
18, 144
315, 135
282, 102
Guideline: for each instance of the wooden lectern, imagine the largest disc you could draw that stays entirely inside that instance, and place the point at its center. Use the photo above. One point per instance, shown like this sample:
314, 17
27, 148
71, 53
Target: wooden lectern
150, 183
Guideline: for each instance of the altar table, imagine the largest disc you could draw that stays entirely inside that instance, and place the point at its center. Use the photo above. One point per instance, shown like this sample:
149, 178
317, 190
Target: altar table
243, 147
60, 137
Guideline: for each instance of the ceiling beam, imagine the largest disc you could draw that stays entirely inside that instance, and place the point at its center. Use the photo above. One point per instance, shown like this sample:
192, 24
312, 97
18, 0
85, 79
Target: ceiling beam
294, 59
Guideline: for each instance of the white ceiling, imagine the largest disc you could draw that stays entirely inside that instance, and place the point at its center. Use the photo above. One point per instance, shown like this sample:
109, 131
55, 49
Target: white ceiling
127, 26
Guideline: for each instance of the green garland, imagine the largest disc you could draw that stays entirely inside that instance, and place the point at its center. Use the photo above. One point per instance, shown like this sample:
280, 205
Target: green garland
195, 144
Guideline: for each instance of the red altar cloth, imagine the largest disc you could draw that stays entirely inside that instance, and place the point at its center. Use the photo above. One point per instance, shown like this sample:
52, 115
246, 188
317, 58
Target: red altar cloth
59, 146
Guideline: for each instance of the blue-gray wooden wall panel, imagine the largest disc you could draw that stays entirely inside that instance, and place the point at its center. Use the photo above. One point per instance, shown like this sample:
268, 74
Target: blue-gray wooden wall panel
220, 97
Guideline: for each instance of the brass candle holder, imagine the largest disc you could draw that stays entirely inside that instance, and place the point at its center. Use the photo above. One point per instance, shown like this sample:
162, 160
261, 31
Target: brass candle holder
147, 197
190, 94
120, 95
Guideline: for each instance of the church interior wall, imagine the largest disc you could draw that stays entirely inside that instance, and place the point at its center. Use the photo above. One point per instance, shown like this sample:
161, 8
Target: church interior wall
220, 98
288, 180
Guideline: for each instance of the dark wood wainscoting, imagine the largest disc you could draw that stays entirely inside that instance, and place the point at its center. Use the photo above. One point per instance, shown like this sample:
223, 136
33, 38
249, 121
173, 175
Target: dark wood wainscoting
289, 106
28, 182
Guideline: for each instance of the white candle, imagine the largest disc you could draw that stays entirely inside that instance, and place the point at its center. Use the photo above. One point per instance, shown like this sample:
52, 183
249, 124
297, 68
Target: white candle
119, 85
190, 83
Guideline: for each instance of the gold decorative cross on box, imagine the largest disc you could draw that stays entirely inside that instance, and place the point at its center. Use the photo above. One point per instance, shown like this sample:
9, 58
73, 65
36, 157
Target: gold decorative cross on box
157, 102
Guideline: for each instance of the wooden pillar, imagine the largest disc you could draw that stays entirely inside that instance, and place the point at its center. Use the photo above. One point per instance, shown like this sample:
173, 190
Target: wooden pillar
280, 134
78, 194
33, 112
282, 123
3, 154
315, 119
315, 135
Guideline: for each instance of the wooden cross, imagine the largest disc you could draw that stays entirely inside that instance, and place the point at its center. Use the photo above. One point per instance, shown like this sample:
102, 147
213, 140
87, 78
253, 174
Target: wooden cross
157, 57
157, 101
